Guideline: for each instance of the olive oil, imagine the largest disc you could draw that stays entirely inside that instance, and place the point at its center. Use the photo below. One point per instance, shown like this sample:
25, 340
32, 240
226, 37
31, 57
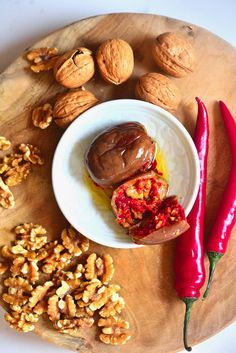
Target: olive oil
161, 164
102, 197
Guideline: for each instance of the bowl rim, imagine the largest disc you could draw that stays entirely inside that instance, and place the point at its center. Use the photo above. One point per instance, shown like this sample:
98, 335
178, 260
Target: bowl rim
174, 120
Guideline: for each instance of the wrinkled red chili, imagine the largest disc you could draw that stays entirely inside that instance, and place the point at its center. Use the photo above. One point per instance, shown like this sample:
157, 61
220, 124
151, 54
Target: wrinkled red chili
189, 254
217, 241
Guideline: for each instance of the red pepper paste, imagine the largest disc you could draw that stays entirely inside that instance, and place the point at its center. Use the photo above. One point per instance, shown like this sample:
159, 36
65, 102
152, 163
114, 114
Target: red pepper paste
168, 213
134, 201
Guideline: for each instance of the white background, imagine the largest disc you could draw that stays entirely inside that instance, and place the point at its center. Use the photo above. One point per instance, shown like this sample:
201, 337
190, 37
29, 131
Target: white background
22, 22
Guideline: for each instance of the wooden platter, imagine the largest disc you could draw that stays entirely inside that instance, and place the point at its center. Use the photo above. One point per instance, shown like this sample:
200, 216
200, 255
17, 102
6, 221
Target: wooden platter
146, 274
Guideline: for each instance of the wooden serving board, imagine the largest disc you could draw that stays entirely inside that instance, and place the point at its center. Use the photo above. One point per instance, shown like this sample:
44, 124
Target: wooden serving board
146, 274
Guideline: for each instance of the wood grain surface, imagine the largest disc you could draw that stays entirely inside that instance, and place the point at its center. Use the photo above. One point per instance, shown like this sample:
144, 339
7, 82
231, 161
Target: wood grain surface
145, 274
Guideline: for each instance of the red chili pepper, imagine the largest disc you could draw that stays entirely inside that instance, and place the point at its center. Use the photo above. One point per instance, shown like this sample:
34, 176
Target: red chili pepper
189, 256
226, 216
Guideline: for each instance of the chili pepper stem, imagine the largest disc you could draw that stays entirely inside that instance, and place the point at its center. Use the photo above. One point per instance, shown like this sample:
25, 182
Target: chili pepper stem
188, 303
213, 257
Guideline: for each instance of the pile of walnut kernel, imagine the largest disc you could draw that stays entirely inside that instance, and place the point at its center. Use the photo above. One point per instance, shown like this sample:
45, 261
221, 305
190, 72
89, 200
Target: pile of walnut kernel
15, 167
41, 277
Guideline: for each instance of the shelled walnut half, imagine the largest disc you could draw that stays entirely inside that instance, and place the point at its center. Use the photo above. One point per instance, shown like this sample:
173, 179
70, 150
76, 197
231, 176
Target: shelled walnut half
42, 59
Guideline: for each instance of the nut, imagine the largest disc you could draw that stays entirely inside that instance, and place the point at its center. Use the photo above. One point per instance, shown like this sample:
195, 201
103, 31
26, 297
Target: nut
159, 90
19, 291
115, 60
70, 105
42, 116
26, 269
43, 59
16, 175
22, 321
113, 330
31, 154
113, 307
6, 196
53, 310
61, 291
56, 259
74, 68
31, 236
74, 242
97, 267
5, 144
38, 294
70, 326
3, 267
174, 54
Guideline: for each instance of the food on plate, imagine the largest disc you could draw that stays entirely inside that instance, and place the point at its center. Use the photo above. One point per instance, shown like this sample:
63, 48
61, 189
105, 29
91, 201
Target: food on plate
14, 168
138, 196
119, 153
74, 68
159, 90
70, 105
115, 60
167, 222
42, 116
74, 291
219, 236
189, 253
174, 54
42, 59
124, 158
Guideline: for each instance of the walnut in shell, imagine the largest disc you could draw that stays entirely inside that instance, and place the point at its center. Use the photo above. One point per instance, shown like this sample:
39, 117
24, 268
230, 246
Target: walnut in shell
74, 68
159, 90
174, 54
70, 105
115, 60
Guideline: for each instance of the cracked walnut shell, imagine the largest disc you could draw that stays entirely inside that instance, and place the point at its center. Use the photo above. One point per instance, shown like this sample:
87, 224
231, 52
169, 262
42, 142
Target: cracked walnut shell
74, 68
159, 90
70, 105
174, 54
115, 60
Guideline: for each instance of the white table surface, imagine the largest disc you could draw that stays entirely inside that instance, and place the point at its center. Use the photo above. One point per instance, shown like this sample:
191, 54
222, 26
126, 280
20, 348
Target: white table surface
23, 22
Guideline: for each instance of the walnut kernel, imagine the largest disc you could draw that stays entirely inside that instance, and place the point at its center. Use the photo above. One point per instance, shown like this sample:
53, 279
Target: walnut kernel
42, 116
5, 144
43, 59
6, 197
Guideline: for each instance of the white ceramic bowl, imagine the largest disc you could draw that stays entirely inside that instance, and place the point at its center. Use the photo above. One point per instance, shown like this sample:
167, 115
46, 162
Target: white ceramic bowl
83, 207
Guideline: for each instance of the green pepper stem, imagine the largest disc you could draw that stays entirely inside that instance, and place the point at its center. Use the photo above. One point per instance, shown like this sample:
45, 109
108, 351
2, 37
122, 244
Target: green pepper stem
213, 257
188, 303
